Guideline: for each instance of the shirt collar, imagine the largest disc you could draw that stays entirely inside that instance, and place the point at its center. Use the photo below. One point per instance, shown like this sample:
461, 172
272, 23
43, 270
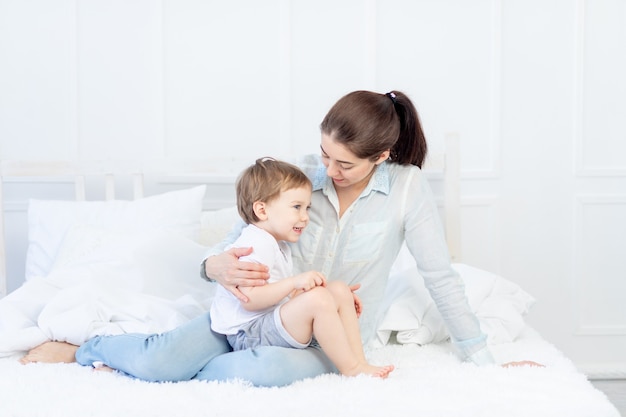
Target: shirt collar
378, 182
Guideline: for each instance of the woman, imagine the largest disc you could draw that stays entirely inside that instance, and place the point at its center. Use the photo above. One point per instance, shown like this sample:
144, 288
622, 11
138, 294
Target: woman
369, 196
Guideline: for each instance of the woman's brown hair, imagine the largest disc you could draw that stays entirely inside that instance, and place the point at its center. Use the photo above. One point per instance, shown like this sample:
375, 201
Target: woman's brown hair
369, 123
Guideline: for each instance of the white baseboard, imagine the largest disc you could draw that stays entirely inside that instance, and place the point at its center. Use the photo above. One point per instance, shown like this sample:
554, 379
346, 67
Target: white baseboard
603, 370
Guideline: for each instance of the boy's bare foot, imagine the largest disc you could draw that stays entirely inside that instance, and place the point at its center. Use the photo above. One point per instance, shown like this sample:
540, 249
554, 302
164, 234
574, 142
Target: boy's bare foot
51, 352
367, 369
381, 371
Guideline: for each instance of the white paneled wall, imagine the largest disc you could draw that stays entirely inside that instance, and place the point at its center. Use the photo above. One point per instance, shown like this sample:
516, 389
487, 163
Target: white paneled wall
535, 90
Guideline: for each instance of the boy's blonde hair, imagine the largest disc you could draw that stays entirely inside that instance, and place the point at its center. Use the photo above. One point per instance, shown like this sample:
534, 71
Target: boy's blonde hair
264, 181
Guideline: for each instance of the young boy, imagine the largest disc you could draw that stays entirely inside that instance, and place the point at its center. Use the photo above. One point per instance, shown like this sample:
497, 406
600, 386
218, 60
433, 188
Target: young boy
273, 198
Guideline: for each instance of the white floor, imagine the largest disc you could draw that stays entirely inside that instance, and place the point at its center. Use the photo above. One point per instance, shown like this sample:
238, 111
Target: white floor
615, 389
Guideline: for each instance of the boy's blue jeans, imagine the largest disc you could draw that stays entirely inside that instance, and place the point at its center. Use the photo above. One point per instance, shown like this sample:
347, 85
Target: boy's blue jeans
194, 351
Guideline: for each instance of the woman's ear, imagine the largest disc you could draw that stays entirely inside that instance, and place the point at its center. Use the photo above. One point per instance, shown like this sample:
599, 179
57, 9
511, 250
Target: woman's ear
383, 157
259, 210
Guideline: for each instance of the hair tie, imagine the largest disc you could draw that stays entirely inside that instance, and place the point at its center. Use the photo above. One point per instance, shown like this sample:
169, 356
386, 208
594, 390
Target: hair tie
392, 96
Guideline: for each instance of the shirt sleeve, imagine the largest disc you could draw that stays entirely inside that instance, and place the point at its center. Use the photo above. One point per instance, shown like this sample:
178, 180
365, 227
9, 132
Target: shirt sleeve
264, 251
426, 242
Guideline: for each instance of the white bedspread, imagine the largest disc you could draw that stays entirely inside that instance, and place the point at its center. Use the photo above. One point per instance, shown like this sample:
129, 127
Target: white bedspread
429, 381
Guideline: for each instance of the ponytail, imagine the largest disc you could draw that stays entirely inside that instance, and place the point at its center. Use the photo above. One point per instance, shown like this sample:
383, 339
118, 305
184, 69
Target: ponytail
411, 147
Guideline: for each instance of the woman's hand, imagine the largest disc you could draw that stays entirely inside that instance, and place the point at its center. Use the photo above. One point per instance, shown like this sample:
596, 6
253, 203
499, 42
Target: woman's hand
358, 305
230, 272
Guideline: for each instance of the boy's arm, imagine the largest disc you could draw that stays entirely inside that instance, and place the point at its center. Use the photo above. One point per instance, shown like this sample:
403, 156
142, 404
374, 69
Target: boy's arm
260, 298
271, 294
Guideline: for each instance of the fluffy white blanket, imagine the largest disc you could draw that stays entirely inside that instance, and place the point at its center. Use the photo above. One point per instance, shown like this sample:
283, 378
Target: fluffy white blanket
429, 381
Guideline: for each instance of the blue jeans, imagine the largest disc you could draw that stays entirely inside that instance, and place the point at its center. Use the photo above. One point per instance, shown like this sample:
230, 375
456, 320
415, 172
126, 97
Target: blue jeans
194, 351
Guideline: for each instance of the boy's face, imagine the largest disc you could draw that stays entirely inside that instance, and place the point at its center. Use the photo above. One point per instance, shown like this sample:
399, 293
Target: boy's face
287, 216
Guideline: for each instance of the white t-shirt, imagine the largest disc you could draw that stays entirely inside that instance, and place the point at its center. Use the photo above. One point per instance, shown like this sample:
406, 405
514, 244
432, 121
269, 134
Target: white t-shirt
227, 313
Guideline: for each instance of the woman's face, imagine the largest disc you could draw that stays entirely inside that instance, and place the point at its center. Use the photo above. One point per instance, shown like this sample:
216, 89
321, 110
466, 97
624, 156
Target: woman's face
345, 168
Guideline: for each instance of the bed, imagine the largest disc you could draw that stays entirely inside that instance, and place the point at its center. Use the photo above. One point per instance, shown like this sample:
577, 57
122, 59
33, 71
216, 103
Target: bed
111, 266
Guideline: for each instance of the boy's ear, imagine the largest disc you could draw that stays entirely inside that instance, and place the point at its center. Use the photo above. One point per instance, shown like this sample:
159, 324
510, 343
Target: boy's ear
259, 210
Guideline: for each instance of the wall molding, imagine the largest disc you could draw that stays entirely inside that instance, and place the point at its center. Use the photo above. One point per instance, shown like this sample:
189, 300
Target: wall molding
580, 168
495, 116
285, 131
578, 256
370, 30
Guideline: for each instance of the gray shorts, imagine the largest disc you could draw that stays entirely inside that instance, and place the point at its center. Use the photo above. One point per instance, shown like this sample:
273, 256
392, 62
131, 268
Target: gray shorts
266, 330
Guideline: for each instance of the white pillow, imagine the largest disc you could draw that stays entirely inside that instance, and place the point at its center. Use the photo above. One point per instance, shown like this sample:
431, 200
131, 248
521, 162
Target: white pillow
49, 221
409, 311
113, 283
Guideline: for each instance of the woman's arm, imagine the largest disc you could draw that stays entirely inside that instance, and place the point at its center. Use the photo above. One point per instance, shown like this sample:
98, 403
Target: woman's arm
426, 241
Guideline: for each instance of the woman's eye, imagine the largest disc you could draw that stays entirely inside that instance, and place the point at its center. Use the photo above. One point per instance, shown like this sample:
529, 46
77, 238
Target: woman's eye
297, 207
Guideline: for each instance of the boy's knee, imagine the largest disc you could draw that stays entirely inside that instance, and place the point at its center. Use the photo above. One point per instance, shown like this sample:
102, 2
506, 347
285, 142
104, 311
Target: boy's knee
339, 289
338, 286
321, 297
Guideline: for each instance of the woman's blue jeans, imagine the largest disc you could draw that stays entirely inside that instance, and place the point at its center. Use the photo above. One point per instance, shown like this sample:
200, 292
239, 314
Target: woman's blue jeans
194, 351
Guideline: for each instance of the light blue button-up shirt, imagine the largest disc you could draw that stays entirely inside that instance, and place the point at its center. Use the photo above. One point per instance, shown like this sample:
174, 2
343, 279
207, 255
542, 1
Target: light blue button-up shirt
360, 246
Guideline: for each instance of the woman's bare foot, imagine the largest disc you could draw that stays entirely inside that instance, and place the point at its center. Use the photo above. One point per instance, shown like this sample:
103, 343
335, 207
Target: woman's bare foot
367, 369
51, 352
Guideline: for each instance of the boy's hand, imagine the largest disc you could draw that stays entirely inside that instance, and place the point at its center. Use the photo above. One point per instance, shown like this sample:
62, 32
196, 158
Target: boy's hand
308, 280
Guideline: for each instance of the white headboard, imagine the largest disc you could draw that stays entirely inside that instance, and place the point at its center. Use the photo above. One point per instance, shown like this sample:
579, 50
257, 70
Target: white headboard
134, 180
